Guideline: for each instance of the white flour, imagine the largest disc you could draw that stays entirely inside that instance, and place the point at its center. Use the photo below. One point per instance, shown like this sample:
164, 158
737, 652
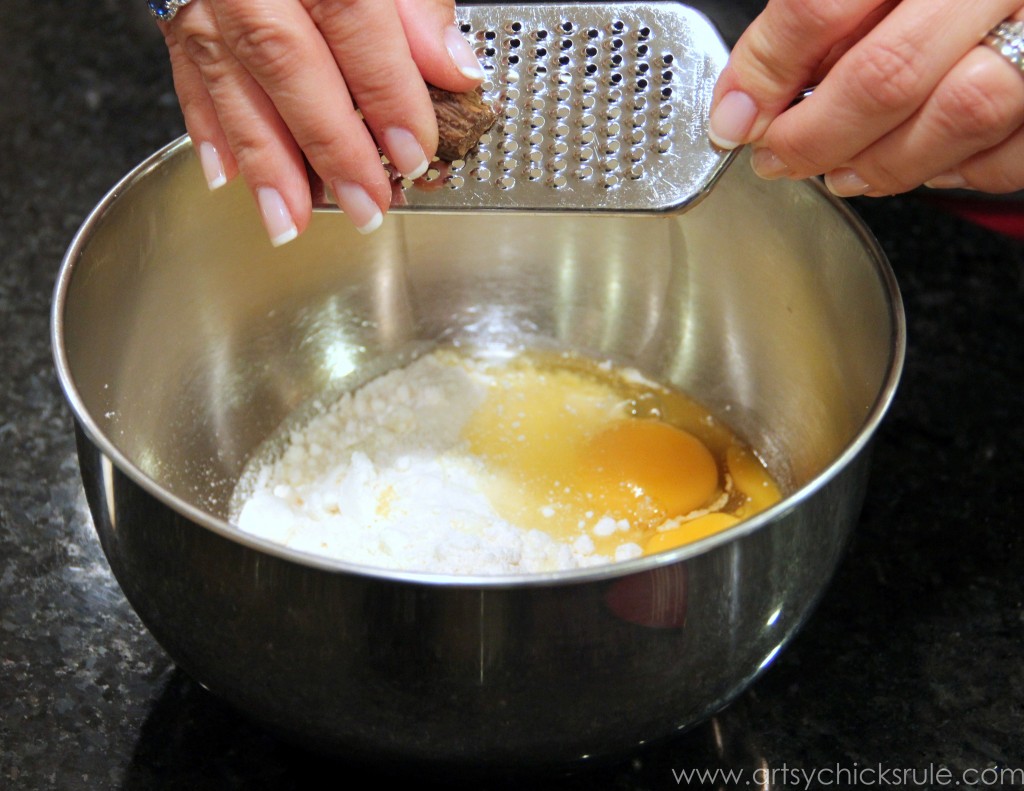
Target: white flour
382, 478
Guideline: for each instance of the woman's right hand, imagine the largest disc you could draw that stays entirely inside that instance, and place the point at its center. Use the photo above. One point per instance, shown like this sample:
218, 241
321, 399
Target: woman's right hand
264, 83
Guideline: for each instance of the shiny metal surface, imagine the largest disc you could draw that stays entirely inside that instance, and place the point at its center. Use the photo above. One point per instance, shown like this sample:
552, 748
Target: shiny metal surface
603, 107
182, 339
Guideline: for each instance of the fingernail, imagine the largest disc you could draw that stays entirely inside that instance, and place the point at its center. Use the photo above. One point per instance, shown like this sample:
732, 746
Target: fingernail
462, 54
213, 166
405, 152
767, 165
731, 120
276, 217
358, 205
950, 180
845, 183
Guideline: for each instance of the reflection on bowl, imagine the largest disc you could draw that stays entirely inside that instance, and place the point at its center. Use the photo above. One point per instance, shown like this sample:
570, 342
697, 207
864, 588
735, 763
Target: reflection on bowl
183, 339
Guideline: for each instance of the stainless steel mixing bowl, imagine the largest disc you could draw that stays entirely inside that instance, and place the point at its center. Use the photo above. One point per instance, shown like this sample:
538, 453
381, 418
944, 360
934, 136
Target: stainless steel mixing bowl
182, 339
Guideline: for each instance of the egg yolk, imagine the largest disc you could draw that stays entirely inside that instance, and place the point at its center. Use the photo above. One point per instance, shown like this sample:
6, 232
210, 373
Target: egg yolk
647, 471
688, 532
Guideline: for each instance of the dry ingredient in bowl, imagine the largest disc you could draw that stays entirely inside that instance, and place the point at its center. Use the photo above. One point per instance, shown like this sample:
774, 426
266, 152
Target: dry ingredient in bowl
468, 463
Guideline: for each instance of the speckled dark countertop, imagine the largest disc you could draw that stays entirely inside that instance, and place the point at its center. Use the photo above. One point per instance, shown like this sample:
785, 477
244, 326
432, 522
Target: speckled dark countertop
915, 658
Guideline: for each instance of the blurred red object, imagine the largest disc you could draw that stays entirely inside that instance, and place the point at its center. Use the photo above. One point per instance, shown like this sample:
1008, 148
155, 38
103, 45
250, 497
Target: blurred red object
1003, 214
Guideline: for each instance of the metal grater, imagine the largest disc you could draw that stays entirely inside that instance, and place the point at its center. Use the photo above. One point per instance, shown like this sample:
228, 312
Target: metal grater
603, 107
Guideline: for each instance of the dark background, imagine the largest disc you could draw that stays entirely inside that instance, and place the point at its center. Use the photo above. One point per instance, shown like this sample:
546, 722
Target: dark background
914, 659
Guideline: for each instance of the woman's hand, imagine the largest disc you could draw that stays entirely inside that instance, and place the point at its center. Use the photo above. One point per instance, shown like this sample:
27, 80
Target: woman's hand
264, 82
905, 95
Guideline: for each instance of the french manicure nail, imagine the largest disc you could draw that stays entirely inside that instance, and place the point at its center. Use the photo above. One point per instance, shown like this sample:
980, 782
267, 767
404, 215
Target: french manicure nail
358, 205
950, 180
405, 152
731, 120
462, 55
845, 183
767, 165
276, 217
213, 165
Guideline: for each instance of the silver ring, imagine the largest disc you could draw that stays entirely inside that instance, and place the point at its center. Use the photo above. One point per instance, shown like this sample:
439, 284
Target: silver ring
166, 10
1007, 38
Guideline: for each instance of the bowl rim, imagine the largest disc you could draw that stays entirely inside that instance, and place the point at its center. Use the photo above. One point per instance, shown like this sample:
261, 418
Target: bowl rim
609, 571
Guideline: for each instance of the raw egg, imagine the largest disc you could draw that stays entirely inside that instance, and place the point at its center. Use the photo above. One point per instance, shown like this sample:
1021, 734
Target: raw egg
586, 451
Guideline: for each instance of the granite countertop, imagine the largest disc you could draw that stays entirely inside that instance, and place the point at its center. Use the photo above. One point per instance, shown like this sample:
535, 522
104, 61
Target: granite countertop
914, 659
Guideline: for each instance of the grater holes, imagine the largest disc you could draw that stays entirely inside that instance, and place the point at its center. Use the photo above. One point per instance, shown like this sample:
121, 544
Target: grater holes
610, 180
667, 58
559, 180
568, 26
490, 35
636, 154
615, 79
481, 173
643, 33
513, 60
665, 110
636, 171
641, 85
591, 51
593, 33
465, 27
641, 51
588, 101
566, 43
564, 93
617, 26
666, 76
534, 174
515, 27
564, 60
643, 68
561, 129
613, 113
611, 148
639, 103
514, 43
558, 165
583, 172
666, 93
559, 148
591, 68
506, 182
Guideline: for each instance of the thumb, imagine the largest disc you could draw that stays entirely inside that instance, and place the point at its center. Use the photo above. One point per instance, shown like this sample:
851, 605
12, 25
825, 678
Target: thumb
441, 52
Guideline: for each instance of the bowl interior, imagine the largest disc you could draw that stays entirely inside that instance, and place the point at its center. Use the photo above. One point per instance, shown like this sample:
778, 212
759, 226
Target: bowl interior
184, 338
